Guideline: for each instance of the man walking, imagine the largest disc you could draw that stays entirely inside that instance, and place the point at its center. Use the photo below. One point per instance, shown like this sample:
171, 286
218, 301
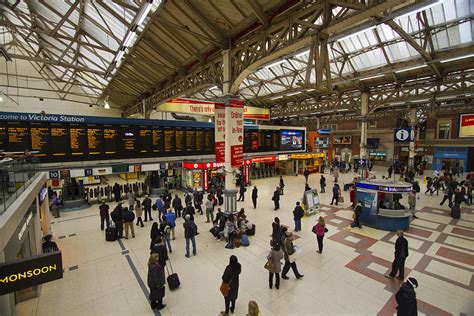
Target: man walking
336, 191
306, 175
298, 214
147, 207
190, 230
276, 198
322, 182
242, 190
412, 203
401, 253
254, 197
104, 215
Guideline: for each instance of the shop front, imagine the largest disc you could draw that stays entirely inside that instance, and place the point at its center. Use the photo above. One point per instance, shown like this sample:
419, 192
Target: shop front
445, 158
312, 162
260, 167
202, 175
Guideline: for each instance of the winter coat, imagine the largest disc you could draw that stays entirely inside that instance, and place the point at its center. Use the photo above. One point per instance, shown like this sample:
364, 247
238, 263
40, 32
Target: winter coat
128, 217
232, 275
156, 281
104, 210
254, 193
171, 219
177, 205
298, 213
161, 250
276, 231
138, 211
276, 256
276, 196
188, 229
401, 248
288, 248
406, 299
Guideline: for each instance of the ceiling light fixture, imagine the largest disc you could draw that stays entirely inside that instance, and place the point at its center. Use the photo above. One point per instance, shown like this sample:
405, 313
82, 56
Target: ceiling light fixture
456, 58
144, 13
425, 7
372, 77
411, 68
106, 103
293, 93
128, 40
119, 55
214, 88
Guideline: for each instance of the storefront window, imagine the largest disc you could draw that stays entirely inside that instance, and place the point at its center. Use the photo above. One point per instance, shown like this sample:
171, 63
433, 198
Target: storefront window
444, 129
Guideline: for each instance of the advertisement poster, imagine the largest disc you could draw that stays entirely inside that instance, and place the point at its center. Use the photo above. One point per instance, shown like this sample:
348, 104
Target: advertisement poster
466, 126
343, 140
235, 111
220, 132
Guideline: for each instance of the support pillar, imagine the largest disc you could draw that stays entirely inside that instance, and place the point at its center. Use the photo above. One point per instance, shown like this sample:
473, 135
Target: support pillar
363, 130
411, 153
229, 191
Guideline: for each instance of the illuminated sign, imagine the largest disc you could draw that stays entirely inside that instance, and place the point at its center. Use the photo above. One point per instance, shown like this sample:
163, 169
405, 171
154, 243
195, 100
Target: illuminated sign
466, 125
307, 156
24, 273
384, 188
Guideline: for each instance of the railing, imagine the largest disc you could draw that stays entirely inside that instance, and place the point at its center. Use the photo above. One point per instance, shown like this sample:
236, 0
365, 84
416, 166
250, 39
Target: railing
15, 176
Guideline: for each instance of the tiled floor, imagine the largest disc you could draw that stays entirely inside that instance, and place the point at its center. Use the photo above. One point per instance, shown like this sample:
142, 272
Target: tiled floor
109, 278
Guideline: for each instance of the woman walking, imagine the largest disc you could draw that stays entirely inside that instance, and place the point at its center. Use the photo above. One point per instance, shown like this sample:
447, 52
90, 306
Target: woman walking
139, 212
156, 282
154, 232
320, 229
231, 277
276, 254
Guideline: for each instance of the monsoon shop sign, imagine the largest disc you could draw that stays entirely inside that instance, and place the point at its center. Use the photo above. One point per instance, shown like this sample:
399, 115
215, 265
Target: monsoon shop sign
24, 273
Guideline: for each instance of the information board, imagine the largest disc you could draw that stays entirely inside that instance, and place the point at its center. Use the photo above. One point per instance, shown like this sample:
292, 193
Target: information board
169, 140
190, 140
129, 140
200, 141
59, 141
94, 141
78, 141
3, 137
157, 141
292, 140
111, 139
18, 136
145, 141
40, 139
180, 135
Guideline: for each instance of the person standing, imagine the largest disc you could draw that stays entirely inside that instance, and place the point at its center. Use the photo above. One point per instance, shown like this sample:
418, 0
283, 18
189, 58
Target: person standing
282, 185
117, 218
412, 203
406, 298
160, 205
254, 196
159, 247
154, 233
131, 200
276, 254
48, 245
147, 207
138, 213
116, 190
352, 196
322, 183
356, 216
336, 191
298, 214
209, 209
276, 231
390, 170
276, 198
306, 174
156, 282
190, 231
177, 205
401, 253
320, 229
336, 174
128, 218
171, 219
242, 190
231, 277
104, 215
165, 229
220, 198
289, 251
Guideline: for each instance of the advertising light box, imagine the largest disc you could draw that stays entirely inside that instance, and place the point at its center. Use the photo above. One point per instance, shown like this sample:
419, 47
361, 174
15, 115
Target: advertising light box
466, 125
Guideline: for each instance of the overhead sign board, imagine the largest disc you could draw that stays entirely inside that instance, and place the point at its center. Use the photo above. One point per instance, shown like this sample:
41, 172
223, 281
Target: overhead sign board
466, 125
24, 273
402, 135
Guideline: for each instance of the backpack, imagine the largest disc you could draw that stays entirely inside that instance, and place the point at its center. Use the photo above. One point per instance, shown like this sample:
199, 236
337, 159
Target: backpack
244, 241
195, 229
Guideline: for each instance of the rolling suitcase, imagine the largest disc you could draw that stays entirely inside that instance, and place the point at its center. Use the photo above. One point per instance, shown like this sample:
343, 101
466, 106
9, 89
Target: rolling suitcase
111, 234
172, 279
456, 212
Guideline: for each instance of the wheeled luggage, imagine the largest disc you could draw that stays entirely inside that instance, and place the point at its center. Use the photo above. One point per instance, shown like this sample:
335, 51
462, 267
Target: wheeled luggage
456, 212
172, 279
111, 234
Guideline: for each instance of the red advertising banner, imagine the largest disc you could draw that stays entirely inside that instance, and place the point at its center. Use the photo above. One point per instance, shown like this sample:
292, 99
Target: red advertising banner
220, 113
235, 111
466, 128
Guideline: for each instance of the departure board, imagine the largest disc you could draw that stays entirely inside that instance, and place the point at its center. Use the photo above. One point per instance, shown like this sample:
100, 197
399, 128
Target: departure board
190, 140
254, 140
200, 141
145, 142
247, 146
111, 139
59, 141
40, 139
3, 137
209, 141
275, 141
18, 136
169, 140
129, 140
78, 141
180, 135
94, 141
157, 141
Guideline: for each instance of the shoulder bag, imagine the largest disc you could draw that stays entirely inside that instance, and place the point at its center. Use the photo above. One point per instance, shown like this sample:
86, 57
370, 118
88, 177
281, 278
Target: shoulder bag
225, 287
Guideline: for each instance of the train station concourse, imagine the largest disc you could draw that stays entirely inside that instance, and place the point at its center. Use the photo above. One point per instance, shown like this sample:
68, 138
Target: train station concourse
236, 157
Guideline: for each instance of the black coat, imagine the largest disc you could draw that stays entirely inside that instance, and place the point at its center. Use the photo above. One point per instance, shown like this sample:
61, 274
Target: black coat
401, 248
276, 231
406, 299
298, 213
232, 276
254, 193
242, 189
162, 251
276, 196
156, 282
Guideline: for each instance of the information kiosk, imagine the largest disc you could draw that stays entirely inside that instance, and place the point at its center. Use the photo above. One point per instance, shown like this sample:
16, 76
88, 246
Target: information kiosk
382, 205
311, 201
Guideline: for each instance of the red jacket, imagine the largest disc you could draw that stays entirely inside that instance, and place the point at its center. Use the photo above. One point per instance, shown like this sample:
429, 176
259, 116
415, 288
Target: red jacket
352, 195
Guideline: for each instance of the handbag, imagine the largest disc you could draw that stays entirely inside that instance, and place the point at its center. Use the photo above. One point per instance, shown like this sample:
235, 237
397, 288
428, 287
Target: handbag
270, 266
341, 199
225, 288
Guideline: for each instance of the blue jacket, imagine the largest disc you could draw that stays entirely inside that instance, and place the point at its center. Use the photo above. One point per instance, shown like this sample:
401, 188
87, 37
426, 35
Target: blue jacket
160, 205
171, 218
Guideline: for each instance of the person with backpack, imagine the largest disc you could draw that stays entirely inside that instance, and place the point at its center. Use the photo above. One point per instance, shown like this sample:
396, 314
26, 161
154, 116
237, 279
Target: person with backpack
254, 196
156, 282
298, 214
320, 229
289, 251
406, 298
190, 231
48, 245
104, 215
128, 218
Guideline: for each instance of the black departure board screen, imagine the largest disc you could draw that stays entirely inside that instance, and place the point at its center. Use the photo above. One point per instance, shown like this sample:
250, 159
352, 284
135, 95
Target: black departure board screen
40, 139
180, 135
209, 141
111, 140
18, 136
190, 140
94, 141
129, 138
158, 141
78, 141
59, 141
145, 141
169, 140
254, 141
247, 146
275, 141
3, 137
200, 141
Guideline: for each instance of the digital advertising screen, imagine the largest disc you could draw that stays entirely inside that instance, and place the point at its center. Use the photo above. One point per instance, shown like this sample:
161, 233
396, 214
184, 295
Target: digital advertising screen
292, 140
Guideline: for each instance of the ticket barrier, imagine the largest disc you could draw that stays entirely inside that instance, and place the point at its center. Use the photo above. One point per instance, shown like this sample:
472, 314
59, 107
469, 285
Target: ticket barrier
105, 192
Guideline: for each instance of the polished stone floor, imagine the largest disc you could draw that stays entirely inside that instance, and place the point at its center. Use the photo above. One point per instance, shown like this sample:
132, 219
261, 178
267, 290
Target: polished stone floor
109, 278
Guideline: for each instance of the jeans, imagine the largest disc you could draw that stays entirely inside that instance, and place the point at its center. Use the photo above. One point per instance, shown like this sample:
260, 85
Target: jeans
297, 225
287, 266
106, 220
277, 279
148, 214
166, 238
320, 242
187, 245
209, 213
